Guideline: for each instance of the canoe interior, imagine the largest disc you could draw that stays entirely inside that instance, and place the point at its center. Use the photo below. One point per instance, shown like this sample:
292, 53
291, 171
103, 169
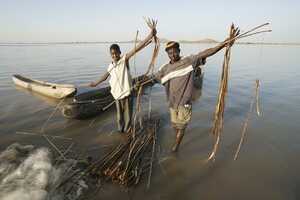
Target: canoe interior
101, 93
93, 102
28, 80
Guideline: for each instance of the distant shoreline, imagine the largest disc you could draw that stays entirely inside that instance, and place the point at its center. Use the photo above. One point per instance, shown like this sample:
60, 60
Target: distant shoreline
162, 41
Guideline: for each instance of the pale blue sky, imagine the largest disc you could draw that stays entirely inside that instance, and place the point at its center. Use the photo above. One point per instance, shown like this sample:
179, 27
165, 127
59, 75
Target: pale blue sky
91, 20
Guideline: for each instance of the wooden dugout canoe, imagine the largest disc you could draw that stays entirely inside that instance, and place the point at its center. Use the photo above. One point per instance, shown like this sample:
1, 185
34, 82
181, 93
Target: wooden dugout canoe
53, 90
95, 102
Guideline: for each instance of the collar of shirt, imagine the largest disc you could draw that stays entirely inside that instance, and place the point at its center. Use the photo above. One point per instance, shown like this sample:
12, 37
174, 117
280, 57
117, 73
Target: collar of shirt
118, 62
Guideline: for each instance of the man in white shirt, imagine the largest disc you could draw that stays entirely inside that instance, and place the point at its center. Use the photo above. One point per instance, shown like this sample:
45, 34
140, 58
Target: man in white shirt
120, 81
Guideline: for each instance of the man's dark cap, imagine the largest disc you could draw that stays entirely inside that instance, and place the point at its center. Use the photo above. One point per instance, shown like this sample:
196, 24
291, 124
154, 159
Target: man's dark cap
171, 44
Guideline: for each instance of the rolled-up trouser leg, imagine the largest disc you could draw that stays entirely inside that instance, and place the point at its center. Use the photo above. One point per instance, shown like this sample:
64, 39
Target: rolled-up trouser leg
181, 116
179, 136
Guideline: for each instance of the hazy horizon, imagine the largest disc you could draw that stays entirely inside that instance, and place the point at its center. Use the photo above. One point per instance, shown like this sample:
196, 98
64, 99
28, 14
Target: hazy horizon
89, 21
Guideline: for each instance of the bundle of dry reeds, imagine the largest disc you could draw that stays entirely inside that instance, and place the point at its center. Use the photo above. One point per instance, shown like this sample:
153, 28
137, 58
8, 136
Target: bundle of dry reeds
219, 111
152, 25
128, 162
217, 128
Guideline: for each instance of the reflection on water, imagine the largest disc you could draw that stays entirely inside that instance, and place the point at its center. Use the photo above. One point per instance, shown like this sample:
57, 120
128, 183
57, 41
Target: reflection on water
267, 167
48, 100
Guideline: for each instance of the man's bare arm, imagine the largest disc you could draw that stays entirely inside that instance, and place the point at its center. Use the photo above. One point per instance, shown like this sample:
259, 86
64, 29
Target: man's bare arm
141, 45
103, 78
211, 51
152, 25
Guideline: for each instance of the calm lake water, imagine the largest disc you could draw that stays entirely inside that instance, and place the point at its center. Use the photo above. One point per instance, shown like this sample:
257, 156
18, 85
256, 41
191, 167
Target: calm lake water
267, 167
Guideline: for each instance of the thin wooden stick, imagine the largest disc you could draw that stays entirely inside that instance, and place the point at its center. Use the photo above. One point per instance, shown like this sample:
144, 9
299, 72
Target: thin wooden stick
245, 125
108, 106
257, 98
92, 122
255, 33
135, 44
249, 33
255, 28
150, 104
50, 116
41, 135
137, 109
54, 146
152, 158
67, 150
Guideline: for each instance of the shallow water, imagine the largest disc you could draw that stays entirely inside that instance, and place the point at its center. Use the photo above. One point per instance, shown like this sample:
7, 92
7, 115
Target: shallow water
267, 167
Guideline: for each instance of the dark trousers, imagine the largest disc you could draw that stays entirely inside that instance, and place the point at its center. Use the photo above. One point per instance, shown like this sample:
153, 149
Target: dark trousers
124, 113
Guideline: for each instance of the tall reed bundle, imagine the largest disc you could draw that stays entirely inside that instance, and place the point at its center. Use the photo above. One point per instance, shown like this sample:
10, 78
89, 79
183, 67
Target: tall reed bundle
219, 110
218, 123
151, 24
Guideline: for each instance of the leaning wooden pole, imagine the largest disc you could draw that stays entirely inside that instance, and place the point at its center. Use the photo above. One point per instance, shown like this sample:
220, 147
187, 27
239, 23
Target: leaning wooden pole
245, 125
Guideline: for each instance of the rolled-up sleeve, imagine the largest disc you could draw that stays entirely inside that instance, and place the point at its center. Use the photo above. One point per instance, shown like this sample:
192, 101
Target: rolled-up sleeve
158, 76
197, 61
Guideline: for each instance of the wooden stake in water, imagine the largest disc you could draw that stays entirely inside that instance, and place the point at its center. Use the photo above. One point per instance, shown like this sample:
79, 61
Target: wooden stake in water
245, 125
258, 111
152, 158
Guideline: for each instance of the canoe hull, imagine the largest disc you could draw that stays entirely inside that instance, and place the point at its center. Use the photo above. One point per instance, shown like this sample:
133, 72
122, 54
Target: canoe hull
94, 102
52, 90
78, 110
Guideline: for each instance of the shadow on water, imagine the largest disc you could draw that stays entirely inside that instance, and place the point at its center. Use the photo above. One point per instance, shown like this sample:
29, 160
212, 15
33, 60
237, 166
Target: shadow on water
48, 100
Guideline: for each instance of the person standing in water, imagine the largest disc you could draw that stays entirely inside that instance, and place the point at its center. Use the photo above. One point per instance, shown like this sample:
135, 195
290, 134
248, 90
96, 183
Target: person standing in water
177, 76
121, 82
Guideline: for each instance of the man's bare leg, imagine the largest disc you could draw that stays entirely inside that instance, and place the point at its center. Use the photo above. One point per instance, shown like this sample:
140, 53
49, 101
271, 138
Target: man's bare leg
179, 136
